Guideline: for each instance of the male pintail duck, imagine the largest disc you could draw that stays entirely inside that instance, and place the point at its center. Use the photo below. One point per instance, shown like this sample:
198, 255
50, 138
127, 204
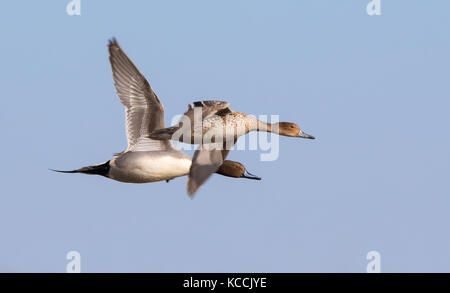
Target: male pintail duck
221, 127
146, 159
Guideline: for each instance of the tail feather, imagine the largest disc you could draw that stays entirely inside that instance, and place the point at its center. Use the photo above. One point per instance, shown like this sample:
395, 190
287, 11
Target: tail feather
101, 169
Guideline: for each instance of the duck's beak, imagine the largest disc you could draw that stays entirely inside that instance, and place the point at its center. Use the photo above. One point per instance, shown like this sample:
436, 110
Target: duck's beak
305, 135
249, 175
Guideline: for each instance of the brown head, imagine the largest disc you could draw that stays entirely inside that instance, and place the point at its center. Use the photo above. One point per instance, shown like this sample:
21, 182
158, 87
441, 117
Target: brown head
289, 129
236, 170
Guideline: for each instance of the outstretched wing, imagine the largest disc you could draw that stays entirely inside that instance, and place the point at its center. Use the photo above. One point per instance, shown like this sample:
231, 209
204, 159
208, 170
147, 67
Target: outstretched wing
144, 111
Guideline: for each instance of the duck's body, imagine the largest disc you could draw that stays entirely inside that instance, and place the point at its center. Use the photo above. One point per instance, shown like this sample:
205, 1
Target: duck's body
213, 121
144, 167
145, 160
208, 122
233, 125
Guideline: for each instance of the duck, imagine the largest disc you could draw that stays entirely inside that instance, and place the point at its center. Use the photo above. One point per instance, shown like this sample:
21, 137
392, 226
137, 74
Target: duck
228, 169
216, 128
216, 119
145, 159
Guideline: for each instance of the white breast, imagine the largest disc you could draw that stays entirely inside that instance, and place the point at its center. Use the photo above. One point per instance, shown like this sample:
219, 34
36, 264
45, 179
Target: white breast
149, 168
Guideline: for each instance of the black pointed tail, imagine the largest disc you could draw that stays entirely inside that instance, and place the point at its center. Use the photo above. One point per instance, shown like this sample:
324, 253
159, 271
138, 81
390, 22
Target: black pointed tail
101, 169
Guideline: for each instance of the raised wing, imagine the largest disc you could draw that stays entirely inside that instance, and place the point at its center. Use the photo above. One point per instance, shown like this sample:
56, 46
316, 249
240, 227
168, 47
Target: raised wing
144, 111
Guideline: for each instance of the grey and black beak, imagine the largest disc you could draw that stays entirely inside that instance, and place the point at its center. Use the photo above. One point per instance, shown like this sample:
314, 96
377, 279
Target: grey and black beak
305, 135
249, 175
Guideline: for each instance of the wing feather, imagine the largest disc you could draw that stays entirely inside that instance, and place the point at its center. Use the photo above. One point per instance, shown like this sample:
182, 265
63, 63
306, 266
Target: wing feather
143, 110
205, 162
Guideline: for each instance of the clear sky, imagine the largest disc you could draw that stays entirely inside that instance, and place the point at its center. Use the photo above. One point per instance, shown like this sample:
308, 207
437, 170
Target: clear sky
374, 90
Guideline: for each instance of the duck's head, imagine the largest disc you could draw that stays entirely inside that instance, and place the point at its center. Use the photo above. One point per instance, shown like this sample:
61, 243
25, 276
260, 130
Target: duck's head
236, 170
290, 129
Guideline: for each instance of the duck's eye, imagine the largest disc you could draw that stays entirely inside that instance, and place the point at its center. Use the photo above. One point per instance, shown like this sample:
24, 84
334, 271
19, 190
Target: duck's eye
292, 126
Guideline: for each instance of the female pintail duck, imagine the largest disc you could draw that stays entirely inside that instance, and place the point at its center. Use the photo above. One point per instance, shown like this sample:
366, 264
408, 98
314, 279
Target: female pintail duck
221, 127
203, 118
146, 159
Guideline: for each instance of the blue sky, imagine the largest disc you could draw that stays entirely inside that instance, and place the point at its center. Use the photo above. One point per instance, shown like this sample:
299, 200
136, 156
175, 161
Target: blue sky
372, 89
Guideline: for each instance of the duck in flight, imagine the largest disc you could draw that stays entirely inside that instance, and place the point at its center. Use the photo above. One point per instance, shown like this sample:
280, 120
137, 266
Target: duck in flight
146, 159
216, 128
